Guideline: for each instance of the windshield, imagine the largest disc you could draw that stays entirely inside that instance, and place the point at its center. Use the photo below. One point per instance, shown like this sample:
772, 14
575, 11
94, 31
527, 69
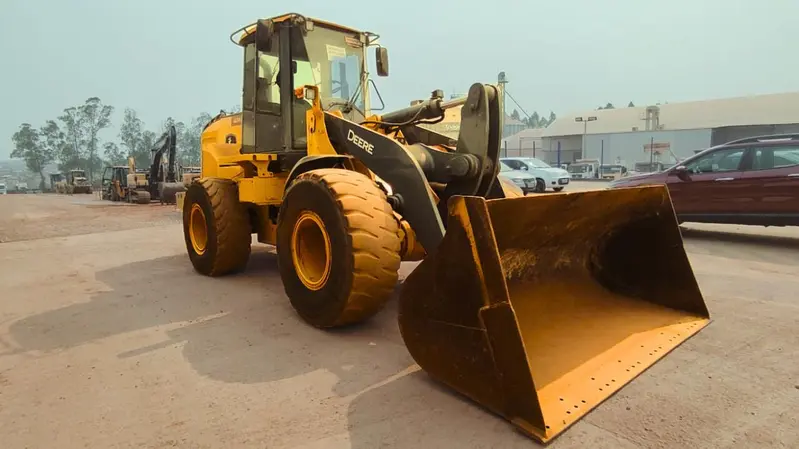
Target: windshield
330, 60
504, 167
336, 61
79, 174
538, 163
577, 168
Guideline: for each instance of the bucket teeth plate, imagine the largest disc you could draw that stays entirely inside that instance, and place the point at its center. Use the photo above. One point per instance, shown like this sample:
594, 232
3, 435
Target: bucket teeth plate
539, 308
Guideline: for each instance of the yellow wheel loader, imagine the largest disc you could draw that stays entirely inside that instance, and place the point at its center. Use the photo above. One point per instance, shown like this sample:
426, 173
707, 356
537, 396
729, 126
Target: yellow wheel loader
538, 308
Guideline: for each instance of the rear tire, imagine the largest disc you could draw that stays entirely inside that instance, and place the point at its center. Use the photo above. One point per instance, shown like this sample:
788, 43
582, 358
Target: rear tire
338, 247
216, 227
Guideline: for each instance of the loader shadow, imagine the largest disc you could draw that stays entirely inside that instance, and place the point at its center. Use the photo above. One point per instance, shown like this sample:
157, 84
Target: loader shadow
762, 247
239, 328
736, 237
416, 411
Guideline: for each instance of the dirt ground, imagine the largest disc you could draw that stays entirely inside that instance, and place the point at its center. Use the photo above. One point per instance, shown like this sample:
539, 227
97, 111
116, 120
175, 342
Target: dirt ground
109, 339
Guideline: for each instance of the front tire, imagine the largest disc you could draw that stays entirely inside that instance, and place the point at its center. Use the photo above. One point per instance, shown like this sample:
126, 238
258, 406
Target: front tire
216, 227
540, 186
338, 247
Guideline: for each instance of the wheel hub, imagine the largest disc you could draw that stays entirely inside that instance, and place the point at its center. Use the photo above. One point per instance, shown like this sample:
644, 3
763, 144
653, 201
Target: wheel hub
198, 231
310, 250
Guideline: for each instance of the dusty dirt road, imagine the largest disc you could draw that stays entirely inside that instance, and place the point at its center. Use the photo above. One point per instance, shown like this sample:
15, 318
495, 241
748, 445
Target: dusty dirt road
109, 339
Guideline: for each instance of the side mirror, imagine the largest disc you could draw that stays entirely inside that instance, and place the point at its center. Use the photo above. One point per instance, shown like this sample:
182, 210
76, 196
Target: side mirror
381, 58
682, 172
524, 167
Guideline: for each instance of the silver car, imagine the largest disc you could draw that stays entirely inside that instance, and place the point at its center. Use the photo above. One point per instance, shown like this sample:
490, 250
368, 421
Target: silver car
521, 178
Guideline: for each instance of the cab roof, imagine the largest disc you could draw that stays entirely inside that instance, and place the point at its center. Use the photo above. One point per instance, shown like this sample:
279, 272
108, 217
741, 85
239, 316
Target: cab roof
247, 30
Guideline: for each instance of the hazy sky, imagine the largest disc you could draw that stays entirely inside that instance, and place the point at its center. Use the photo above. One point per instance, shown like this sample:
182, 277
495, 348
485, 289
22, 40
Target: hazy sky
173, 57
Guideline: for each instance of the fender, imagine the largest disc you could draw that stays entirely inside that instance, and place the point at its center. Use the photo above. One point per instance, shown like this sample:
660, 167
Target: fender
315, 162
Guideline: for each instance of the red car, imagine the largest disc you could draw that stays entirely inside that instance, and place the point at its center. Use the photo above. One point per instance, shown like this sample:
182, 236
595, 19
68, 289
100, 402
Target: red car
752, 181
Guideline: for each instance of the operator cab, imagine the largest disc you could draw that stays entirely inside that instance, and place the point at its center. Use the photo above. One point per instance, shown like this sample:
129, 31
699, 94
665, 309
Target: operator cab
287, 52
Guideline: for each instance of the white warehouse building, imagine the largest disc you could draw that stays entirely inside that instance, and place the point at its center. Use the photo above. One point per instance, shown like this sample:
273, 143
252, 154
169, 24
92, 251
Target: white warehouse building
624, 135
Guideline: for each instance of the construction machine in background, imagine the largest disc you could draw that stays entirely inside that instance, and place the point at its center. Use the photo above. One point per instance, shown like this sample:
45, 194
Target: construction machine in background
158, 181
538, 308
56, 182
74, 181
115, 183
189, 174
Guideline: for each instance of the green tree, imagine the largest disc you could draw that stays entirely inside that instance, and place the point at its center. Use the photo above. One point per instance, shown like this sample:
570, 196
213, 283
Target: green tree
114, 154
515, 115
534, 120
130, 132
189, 154
543, 122
94, 117
630, 105
609, 106
53, 138
552, 118
28, 145
141, 154
71, 154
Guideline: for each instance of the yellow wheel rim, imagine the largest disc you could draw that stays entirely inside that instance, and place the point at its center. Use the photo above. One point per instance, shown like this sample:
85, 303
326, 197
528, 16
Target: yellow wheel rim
198, 231
310, 250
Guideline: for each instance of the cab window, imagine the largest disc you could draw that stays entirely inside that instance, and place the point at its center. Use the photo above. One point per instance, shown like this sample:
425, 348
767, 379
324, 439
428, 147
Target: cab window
515, 165
766, 158
718, 161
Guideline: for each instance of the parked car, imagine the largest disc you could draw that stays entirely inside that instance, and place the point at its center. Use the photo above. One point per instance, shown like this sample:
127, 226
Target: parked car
3, 190
752, 181
521, 178
546, 177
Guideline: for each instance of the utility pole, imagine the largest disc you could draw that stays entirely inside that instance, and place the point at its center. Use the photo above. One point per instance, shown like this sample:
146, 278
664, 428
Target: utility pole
585, 121
502, 81
558, 153
651, 151
602, 154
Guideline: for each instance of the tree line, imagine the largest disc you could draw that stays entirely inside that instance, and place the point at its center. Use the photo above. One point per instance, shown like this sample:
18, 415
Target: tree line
610, 106
535, 120
72, 140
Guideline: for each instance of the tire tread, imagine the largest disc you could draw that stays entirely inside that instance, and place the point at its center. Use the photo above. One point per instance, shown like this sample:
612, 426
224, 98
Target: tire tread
374, 236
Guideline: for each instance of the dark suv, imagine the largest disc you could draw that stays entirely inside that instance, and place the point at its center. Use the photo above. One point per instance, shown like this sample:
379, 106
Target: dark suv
752, 181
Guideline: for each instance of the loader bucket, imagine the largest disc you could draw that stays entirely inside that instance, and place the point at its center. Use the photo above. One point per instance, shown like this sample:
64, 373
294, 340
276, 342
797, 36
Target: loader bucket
540, 308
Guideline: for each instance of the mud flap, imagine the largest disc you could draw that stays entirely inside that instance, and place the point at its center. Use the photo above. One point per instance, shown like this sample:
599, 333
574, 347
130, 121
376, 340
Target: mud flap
540, 308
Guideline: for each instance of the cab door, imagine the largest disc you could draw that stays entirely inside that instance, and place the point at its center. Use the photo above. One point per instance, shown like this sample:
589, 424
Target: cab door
712, 186
774, 175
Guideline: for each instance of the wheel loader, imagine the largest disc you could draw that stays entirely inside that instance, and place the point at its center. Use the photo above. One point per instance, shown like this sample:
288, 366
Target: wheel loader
158, 181
537, 308
75, 181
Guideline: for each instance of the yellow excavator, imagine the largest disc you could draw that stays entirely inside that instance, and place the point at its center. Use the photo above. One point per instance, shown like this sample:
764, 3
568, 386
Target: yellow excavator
538, 308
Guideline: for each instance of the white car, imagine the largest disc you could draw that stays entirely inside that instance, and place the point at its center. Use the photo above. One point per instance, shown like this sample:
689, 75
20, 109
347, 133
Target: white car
546, 177
521, 178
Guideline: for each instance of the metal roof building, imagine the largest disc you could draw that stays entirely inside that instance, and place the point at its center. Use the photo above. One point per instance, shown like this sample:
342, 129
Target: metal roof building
624, 135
